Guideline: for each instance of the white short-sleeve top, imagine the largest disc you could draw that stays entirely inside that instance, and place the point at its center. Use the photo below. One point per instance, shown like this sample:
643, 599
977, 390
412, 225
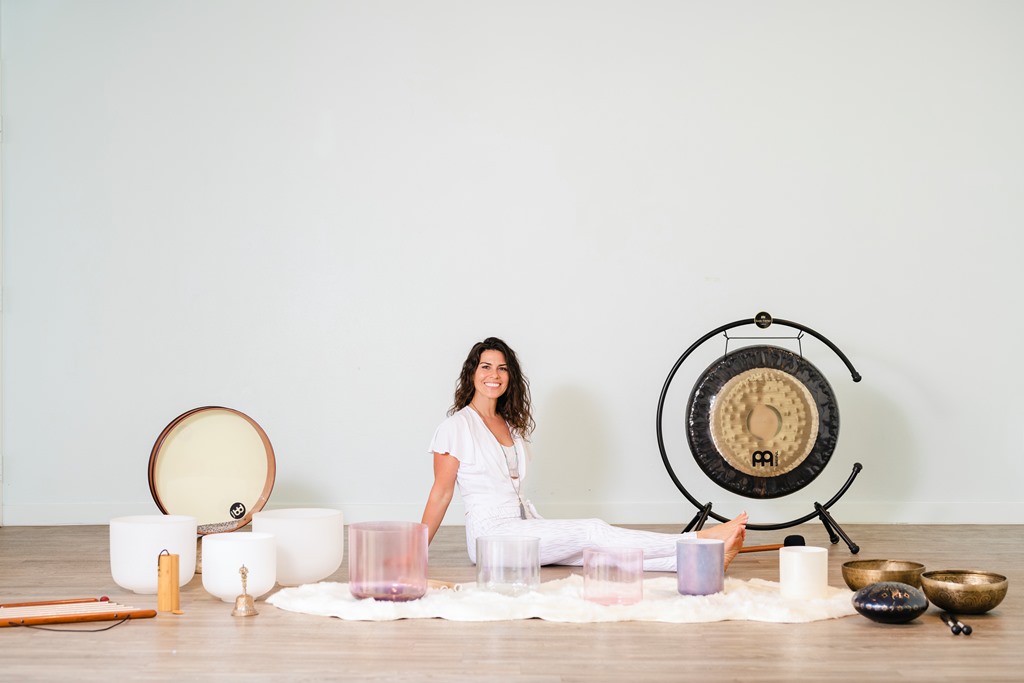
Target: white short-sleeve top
483, 477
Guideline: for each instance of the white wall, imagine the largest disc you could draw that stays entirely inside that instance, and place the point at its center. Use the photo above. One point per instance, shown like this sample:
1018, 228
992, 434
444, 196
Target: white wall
309, 211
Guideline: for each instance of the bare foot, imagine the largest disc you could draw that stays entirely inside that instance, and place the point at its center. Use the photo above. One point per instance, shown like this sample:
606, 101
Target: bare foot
732, 532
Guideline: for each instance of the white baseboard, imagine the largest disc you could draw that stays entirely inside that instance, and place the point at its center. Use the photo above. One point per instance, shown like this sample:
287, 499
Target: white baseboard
676, 512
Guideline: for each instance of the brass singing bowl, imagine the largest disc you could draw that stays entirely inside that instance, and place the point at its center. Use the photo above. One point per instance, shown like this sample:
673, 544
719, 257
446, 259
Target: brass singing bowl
964, 591
861, 573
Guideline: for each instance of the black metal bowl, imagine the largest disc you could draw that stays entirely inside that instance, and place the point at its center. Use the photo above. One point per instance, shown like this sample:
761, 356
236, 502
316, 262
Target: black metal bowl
890, 602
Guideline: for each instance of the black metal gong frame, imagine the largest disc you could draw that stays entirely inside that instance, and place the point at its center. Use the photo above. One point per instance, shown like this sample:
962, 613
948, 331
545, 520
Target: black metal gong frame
835, 532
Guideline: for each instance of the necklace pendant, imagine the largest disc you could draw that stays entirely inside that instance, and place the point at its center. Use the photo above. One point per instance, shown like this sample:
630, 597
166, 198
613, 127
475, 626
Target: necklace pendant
522, 511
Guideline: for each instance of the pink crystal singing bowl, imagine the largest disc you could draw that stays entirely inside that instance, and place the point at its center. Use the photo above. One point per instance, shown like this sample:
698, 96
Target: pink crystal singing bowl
387, 560
613, 576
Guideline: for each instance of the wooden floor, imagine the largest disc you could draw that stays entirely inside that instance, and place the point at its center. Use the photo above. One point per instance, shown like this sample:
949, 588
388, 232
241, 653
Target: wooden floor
207, 643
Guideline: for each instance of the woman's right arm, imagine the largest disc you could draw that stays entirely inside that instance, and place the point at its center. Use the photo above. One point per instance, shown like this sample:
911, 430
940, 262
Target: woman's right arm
446, 467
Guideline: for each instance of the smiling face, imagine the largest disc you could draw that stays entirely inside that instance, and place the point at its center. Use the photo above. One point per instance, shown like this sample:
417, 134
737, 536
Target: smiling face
491, 377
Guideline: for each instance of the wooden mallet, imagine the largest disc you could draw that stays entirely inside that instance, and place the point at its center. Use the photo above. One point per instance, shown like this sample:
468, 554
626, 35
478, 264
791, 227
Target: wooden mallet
795, 539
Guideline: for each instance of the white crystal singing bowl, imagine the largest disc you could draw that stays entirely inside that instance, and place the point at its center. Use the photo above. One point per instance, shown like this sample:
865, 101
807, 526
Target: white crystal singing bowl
310, 542
137, 541
225, 554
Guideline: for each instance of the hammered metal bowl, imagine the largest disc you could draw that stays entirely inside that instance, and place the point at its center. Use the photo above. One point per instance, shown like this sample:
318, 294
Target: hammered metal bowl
964, 591
860, 573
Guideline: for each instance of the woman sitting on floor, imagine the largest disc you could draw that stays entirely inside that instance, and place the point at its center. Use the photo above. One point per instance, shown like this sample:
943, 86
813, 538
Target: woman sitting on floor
481, 446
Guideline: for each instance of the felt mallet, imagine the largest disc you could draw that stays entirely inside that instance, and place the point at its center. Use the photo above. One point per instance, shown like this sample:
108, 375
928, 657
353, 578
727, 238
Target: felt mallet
949, 621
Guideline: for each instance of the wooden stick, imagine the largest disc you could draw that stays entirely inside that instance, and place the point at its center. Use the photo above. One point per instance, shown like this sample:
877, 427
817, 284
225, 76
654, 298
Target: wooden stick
70, 601
761, 548
75, 618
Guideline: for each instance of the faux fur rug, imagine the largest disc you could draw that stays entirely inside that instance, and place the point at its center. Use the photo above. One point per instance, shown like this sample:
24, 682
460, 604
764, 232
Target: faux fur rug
562, 600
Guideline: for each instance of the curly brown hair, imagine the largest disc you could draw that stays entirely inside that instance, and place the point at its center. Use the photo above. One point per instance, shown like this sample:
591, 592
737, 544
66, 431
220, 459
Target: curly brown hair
514, 404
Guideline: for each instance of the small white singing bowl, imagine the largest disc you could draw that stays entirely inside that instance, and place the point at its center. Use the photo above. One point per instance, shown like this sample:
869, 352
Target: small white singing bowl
226, 553
803, 572
310, 542
137, 541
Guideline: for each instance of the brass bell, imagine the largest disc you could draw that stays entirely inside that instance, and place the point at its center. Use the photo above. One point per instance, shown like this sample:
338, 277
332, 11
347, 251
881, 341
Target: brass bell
244, 604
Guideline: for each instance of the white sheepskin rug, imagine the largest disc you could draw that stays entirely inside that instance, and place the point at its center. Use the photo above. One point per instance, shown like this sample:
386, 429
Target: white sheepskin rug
562, 600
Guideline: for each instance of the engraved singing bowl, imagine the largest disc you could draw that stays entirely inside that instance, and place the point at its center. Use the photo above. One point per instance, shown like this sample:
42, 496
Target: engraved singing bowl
964, 591
860, 573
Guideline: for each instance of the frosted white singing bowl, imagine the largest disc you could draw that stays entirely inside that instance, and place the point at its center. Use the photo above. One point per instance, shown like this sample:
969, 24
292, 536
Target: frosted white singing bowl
225, 554
803, 572
137, 541
310, 542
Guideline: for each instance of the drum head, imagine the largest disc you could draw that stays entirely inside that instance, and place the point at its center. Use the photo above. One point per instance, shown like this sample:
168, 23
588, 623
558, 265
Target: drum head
762, 422
215, 464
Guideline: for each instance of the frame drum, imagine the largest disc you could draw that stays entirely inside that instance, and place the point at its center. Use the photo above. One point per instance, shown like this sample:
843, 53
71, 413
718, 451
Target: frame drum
762, 422
215, 464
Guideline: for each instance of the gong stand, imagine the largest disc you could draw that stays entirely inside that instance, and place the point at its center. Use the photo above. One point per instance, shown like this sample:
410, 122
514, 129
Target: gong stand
814, 383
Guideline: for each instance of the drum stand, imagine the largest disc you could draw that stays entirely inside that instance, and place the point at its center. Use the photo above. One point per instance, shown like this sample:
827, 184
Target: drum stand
835, 532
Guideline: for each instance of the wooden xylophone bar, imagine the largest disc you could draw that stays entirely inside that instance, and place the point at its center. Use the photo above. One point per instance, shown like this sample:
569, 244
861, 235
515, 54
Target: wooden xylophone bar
68, 611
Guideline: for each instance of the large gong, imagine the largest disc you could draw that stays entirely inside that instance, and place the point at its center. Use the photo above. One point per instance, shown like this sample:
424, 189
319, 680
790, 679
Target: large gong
762, 422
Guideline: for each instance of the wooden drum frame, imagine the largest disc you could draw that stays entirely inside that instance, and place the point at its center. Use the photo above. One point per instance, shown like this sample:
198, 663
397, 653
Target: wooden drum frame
215, 464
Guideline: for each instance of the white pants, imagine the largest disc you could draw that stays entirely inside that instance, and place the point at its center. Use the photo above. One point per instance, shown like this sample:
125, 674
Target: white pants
562, 541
